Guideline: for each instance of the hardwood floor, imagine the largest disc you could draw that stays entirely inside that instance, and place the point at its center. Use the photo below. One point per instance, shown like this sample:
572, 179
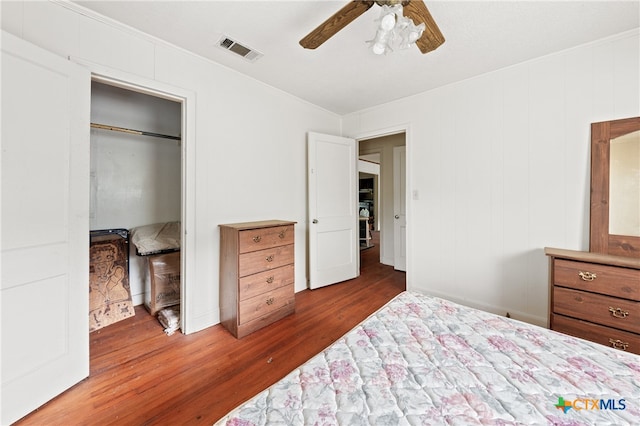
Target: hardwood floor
140, 376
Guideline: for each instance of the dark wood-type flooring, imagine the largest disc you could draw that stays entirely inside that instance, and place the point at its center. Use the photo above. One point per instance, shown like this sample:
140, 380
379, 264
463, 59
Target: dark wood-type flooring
140, 376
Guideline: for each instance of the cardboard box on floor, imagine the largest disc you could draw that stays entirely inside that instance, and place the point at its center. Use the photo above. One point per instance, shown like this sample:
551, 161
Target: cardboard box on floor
163, 283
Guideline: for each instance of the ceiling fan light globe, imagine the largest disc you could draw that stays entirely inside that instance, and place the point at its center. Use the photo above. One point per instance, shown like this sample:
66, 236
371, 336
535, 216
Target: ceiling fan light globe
378, 48
388, 21
414, 36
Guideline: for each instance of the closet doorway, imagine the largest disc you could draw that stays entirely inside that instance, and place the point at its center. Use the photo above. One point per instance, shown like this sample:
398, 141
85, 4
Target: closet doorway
135, 186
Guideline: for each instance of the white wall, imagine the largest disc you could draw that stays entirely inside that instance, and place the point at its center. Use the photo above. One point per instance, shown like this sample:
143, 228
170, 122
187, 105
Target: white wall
250, 153
135, 180
501, 163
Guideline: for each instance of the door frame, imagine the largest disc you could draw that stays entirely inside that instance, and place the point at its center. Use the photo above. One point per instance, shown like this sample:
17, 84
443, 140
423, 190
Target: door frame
187, 99
400, 262
387, 131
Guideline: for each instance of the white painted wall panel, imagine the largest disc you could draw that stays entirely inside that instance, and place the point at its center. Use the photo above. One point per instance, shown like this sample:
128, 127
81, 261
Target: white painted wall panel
137, 180
11, 14
105, 44
450, 166
579, 104
51, 27
513, 257
547, 152
602, 85
626, 77
429, 181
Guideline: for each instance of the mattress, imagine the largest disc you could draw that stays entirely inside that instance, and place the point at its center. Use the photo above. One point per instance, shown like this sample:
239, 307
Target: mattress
156, 238
422, 360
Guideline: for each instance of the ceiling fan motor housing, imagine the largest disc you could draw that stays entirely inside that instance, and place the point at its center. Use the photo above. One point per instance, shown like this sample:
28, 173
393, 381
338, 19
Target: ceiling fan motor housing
392, 2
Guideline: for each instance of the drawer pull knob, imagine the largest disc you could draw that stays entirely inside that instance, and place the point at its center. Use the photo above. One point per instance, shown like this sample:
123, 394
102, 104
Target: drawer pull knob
281, 234
257, 239
587, 276
269, 258
618, 312
619, 344
270, 279
270, 301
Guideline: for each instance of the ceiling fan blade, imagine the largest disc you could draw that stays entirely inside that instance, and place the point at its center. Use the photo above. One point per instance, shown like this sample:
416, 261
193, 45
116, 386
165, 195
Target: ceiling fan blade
431, 38
335, 23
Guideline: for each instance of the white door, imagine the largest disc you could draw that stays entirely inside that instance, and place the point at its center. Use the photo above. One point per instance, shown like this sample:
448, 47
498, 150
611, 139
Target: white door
399, 208
333, 210
45, 226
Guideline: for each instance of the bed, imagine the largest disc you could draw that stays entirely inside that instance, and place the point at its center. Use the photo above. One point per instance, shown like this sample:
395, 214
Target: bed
422, 360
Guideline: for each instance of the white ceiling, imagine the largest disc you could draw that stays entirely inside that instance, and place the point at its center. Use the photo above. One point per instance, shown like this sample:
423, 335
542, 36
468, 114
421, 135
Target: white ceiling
342, 75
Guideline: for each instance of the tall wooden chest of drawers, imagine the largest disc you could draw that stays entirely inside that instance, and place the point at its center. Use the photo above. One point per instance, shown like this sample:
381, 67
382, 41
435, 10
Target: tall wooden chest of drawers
256, 274
595, 297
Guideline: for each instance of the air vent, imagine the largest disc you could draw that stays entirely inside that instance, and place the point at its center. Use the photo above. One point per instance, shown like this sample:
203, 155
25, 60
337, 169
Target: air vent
235, 47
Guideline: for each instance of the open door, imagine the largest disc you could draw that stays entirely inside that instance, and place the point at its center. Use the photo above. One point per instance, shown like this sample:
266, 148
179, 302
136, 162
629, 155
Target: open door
45, 226
333, 210
399, 208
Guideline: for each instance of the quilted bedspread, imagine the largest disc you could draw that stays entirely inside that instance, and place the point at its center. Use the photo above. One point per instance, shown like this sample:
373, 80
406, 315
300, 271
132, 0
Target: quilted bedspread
421, 360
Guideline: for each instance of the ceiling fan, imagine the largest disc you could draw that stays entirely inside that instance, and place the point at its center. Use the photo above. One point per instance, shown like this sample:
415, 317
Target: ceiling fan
415, 10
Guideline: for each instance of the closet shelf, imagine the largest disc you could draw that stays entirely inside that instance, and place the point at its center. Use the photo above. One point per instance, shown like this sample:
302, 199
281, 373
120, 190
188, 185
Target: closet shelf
133, 132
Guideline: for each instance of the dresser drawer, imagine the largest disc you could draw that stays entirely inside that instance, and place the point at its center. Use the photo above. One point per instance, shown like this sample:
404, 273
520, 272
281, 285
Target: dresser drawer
593, 277
597, 333
265, 303
264, 260
605, 310
253, 285
264, 238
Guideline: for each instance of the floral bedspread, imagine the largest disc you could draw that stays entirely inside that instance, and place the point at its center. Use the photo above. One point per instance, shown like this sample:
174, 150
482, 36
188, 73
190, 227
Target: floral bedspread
421, 360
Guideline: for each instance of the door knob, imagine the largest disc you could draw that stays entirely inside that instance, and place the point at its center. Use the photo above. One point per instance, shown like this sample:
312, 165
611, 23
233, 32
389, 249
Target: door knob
397, 216
315, 220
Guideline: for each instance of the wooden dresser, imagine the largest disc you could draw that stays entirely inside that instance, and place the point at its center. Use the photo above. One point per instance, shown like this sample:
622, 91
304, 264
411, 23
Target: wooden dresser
596, 297
256, 274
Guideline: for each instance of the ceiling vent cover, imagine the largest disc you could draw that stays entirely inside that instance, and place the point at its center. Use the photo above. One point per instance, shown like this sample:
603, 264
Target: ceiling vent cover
235, 47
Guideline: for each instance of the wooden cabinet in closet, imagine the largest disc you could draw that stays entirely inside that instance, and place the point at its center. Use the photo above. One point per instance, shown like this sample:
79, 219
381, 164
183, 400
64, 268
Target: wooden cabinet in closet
256, 274
595, 297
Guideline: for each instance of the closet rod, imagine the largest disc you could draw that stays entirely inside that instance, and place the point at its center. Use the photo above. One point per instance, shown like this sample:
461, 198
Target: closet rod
133, 132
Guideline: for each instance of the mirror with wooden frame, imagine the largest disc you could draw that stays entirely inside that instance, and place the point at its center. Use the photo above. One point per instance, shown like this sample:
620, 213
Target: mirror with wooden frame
615, 187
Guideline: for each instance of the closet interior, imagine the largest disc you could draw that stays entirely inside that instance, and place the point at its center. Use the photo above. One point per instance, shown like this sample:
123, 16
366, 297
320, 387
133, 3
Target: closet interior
135, 206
